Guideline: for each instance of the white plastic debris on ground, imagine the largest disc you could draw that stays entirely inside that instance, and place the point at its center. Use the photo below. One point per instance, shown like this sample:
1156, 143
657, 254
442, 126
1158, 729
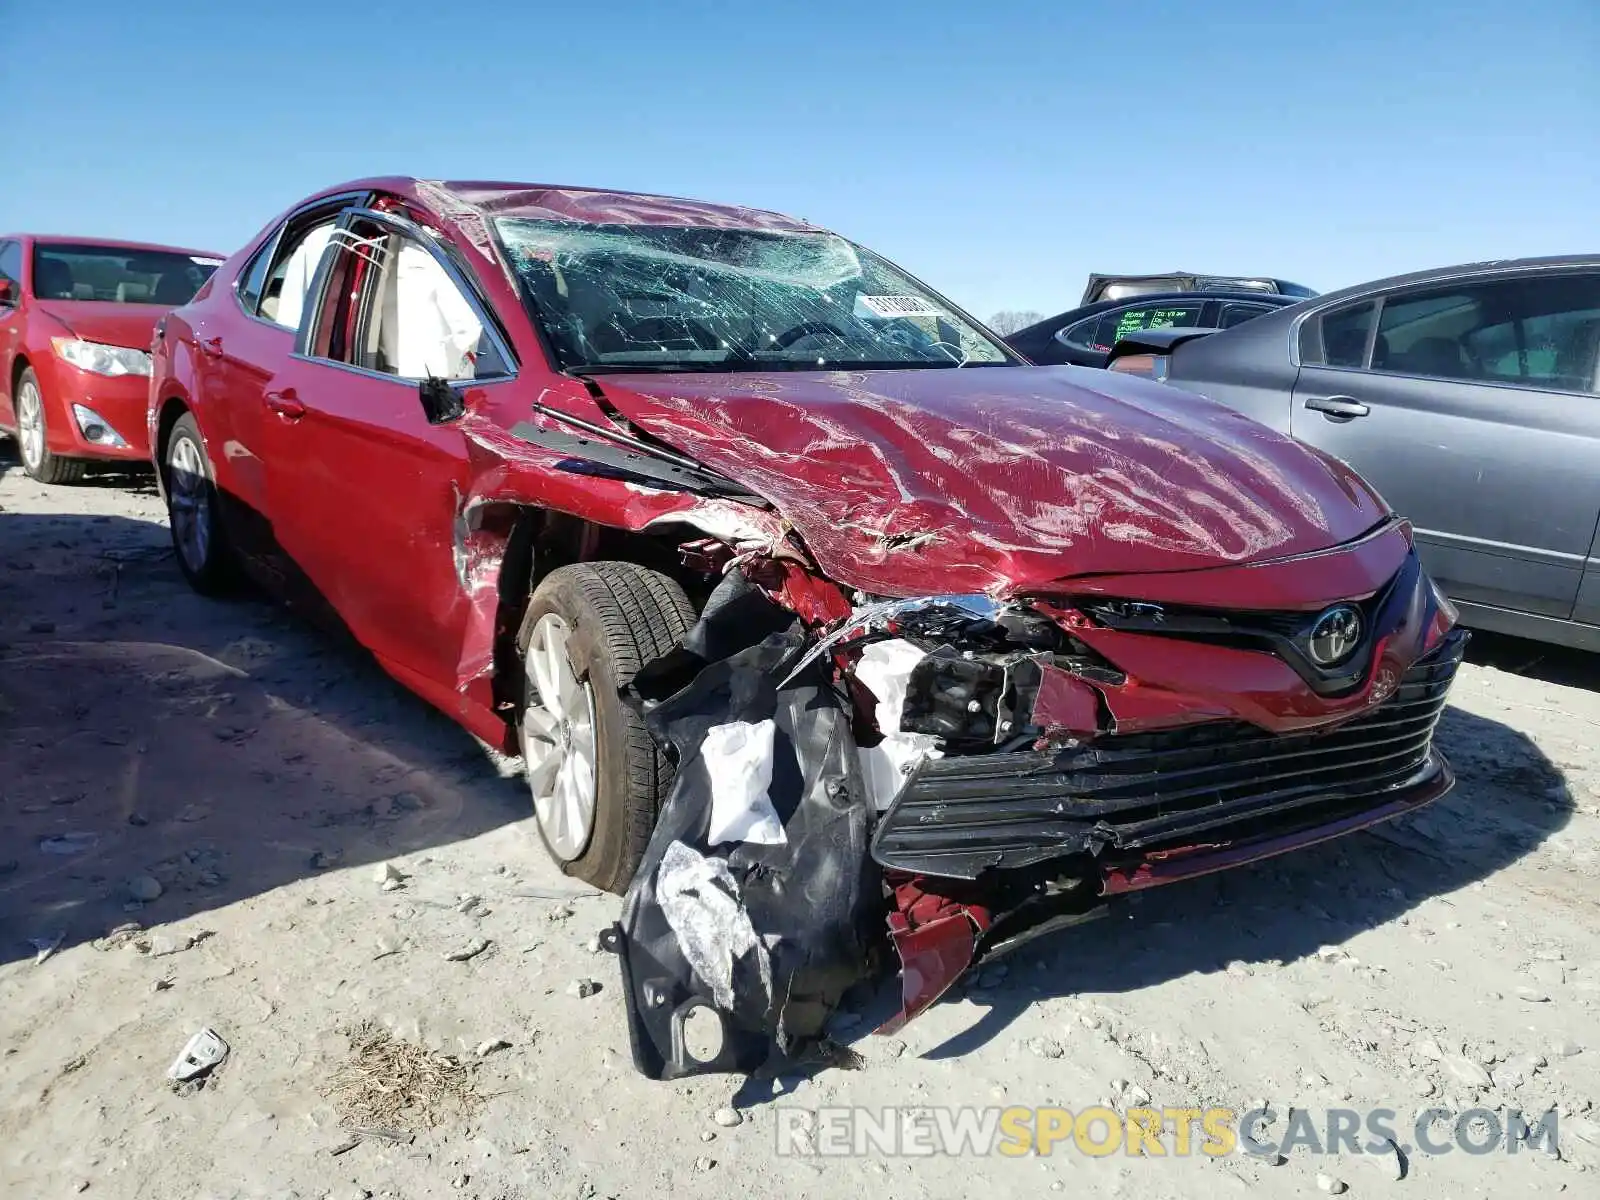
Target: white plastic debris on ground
884, 669
700, 901
738, 758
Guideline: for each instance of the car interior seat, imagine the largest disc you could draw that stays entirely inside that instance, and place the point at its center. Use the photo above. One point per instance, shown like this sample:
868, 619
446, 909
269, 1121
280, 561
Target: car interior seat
132, 292
1575, 364
1440, 356
1345, 347
174, 288
52, 279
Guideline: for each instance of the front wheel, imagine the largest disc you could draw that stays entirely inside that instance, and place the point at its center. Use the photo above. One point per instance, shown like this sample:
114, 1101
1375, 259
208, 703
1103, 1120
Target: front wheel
596, 775
198, 537
32, 440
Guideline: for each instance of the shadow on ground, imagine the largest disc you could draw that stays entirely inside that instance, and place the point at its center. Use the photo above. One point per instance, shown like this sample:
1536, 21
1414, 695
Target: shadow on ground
218, 749
225, 749
1536, 660
1508, 800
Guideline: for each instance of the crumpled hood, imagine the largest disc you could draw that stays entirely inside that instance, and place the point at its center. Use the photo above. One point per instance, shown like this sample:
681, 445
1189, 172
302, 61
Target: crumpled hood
1004, 479
130, 325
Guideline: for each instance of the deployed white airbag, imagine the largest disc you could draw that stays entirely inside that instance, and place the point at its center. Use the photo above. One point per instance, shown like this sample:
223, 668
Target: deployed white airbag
884, 669
738, 759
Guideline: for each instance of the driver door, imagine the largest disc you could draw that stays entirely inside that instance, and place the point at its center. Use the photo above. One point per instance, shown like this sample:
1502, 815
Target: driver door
365, 491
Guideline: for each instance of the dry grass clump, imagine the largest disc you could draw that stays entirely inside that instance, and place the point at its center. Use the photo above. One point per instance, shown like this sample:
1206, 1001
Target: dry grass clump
388, 1082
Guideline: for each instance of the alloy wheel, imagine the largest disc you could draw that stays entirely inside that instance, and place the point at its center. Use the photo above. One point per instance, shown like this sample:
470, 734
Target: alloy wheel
558, 741
30, 424
189, 503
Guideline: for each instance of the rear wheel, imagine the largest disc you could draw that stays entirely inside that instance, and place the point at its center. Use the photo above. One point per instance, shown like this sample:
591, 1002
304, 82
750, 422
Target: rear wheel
32, 439
198, 537
596, 776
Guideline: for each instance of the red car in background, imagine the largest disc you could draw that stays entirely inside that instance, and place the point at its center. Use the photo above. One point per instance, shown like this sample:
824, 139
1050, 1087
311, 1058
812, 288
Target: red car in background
76, 318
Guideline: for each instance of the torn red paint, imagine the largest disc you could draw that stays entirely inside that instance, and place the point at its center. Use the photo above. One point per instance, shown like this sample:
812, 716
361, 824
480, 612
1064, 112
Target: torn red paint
936, 938
1066, 703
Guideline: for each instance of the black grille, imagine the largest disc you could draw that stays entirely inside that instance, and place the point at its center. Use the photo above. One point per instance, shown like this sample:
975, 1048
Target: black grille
960, 815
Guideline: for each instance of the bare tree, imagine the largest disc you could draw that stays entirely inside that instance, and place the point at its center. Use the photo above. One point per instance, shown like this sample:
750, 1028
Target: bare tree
1011, 320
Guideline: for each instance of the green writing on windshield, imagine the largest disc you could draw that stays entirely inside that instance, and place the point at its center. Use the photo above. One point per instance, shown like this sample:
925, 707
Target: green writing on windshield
1137, 319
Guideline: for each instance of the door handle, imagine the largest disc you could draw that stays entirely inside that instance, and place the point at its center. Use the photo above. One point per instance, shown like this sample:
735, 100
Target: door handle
285, 404
211, 346
1337, 408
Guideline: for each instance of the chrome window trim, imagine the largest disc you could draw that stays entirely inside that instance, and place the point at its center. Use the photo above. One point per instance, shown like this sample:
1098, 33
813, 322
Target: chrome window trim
409, 383
342, 199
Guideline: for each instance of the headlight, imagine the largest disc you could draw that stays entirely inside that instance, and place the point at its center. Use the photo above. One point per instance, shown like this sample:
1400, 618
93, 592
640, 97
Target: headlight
101, 359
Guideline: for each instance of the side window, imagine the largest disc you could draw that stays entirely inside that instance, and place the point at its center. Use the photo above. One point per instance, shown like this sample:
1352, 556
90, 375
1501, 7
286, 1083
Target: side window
11, 269
1541, 332
1237, 314
1102, 332
1344, 336
1080, 335
254, 276
283, 296
410, 319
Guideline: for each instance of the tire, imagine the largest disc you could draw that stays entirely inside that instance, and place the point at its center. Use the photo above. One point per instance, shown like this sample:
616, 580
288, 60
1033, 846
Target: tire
199, 539
616, 617
33, 436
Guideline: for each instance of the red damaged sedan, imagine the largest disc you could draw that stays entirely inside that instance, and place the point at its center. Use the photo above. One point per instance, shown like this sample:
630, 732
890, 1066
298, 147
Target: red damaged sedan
815, 614
76, 316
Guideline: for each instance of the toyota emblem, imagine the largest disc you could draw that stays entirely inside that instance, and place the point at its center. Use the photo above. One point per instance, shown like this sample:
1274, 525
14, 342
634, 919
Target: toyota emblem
1335, 635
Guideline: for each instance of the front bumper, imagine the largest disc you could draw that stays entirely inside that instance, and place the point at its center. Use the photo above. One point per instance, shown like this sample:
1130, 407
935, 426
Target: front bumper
989, 852
1105, 808
119, 401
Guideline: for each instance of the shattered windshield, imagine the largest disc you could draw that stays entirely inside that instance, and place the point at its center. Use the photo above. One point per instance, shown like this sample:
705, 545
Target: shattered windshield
693, 298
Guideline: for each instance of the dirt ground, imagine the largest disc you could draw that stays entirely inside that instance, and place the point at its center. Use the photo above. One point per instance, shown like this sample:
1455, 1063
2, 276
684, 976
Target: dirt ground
259, 776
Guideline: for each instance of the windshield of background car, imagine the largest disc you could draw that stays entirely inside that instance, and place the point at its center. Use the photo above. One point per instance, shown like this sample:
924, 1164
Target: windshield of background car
693, 298
68, 272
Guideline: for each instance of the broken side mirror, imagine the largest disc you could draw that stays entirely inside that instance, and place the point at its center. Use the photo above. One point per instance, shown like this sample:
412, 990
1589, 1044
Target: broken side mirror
440, 402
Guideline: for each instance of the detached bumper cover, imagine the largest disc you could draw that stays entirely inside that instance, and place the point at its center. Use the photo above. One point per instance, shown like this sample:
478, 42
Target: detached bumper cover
1145, 796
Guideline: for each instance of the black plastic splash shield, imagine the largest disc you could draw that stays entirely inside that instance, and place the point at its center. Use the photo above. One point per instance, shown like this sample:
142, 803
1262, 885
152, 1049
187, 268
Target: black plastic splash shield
783, 931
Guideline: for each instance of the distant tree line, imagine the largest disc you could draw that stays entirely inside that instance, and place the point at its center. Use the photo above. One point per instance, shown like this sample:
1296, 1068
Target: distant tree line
1010, 320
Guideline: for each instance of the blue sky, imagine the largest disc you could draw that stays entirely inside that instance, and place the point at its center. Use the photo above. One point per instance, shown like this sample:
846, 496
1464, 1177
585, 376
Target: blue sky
1000, 157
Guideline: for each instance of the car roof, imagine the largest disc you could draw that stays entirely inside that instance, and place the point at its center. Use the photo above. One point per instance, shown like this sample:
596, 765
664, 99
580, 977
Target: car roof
67, 239
1440, 274
563, 202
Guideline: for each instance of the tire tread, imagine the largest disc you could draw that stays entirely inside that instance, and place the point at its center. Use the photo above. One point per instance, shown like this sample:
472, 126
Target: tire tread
643, 614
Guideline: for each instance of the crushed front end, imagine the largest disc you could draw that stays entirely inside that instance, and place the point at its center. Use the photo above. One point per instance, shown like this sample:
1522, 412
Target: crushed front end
965, 772
1079, 747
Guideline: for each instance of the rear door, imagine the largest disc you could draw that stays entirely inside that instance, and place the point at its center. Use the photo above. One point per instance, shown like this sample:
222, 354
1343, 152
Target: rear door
1470, 406
241, 350
366, 492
